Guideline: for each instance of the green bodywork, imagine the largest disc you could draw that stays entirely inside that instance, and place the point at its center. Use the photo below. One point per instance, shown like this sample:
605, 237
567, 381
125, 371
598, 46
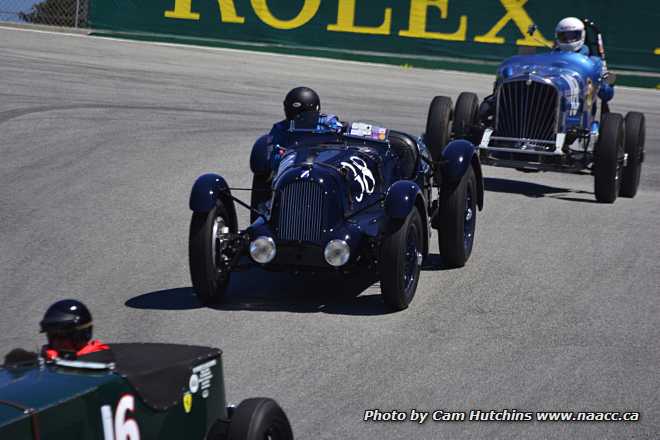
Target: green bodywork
66, 403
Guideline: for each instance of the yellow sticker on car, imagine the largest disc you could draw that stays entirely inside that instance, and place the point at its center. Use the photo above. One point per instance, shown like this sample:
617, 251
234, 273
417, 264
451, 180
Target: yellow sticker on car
187, 402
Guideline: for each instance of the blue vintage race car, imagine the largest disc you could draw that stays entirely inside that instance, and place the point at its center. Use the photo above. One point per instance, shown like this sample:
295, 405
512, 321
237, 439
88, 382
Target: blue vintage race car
347, 198
550, 112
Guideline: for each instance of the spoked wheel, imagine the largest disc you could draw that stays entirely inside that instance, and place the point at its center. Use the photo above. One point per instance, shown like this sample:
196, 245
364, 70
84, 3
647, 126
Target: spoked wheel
458, 221
400, 263
259, 419
608, 158
209, 254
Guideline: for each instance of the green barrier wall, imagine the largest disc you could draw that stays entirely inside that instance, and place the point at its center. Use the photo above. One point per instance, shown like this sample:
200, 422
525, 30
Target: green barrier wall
423, 30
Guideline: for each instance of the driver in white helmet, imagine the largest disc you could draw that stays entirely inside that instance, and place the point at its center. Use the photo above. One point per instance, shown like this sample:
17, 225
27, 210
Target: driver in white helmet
570, 35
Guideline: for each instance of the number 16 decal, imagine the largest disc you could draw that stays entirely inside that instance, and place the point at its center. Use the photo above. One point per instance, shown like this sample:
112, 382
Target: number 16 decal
121, 426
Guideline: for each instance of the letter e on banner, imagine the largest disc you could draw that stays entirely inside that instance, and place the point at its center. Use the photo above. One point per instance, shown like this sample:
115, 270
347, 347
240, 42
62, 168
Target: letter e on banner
418, 18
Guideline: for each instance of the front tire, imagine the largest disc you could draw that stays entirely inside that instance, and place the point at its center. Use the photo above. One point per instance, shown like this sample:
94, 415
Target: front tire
259, 419
458, 221
635, 133
466, 116
400, 262
437, 126
607, 154
210, 277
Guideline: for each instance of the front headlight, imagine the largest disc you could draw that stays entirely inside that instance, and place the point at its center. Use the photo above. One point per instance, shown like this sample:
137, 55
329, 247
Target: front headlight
262, 250
337, 253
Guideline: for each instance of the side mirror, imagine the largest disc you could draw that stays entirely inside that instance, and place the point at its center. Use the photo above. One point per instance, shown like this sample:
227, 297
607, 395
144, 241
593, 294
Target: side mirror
531, 30
610, 78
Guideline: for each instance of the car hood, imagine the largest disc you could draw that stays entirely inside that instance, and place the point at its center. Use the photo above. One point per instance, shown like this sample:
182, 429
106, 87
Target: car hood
355, 170
561, 68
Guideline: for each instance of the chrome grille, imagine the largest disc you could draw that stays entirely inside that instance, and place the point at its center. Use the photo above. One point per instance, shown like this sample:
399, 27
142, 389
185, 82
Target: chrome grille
301, 211
527, 110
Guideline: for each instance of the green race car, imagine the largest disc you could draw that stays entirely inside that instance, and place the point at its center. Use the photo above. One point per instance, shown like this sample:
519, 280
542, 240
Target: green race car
131, 392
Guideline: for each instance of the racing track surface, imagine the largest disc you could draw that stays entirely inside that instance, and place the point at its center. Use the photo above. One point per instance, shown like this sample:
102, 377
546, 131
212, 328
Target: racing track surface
101, 141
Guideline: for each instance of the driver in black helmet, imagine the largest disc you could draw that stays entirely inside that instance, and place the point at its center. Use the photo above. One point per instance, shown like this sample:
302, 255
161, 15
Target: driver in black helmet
68, 326
297, 102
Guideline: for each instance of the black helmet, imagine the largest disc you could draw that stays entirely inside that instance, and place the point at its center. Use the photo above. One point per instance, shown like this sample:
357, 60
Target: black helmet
68, 325
65, 316
301, 100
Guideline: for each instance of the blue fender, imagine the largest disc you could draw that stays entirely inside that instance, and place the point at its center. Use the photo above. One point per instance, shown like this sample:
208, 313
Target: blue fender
260, 156
606, 92
400, 199
459, 155
210, 190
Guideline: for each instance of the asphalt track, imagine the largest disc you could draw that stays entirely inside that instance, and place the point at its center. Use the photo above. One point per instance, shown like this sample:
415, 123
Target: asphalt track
101, 140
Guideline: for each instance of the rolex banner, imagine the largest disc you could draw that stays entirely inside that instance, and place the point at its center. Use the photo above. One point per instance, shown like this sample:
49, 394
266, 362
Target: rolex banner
417, 30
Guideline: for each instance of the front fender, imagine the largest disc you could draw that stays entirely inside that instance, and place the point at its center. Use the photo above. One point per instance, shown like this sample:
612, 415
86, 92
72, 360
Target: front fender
400, 199
606, 92
457, 158
260, 156
210, 190
476, 165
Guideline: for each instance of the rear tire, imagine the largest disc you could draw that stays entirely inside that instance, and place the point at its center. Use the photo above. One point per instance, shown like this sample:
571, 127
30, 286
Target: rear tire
437, 126
209, 280
635, 132
260, 194
458, 221
259, 419
399, 262
466, 116
608, 151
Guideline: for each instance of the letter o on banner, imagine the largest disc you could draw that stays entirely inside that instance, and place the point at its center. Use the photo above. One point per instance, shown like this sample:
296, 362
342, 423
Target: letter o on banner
308, 11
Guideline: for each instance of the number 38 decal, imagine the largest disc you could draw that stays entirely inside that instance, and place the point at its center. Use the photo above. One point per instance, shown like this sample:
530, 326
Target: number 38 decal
120, 426
363, 176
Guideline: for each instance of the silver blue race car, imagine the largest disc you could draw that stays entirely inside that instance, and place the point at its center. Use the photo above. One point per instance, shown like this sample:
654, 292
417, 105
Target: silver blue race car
550, 112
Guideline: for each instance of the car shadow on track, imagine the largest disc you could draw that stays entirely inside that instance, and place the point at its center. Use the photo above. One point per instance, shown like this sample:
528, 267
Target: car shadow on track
531, 189
259, 290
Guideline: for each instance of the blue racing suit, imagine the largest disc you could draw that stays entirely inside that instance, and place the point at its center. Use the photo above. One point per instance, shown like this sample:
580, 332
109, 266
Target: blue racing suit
281, 137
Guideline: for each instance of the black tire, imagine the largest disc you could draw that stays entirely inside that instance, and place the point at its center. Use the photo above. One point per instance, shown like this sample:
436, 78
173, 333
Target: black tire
635, 130
260, 193
259, 419
437, 125
209, 282
607, 154
458, 221
399, 264
466, 116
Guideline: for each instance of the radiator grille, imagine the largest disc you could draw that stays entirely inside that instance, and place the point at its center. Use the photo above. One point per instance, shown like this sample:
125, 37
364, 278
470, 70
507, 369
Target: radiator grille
301, 211
527, 110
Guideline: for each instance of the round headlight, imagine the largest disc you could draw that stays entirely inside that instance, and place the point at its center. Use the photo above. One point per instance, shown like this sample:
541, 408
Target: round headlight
337, 253
262, 250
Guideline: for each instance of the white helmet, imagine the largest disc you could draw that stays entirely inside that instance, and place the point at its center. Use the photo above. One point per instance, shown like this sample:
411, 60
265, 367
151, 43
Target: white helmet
570, 34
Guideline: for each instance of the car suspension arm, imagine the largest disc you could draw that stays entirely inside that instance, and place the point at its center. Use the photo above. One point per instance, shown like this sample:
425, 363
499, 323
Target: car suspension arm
227, 192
